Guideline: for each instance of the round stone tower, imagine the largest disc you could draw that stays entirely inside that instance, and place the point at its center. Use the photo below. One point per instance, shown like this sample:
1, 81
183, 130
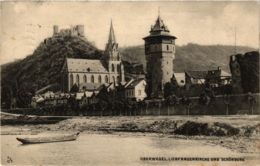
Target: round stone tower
159, 52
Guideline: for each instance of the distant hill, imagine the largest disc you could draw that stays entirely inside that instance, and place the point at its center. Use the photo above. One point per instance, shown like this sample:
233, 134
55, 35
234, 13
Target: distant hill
22, 78
191, 56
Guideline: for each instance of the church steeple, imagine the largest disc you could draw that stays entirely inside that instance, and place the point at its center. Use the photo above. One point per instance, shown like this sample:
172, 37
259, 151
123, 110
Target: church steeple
111, 38
112, 58
111, 50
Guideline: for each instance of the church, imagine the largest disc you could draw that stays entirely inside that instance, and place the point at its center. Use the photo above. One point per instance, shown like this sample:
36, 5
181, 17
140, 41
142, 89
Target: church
89, 74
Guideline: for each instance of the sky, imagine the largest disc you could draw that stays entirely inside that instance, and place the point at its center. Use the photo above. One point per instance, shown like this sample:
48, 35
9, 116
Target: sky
25, 24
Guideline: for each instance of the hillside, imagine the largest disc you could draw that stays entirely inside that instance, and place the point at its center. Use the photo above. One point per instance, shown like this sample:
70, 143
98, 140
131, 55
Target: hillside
191, 56
43, 67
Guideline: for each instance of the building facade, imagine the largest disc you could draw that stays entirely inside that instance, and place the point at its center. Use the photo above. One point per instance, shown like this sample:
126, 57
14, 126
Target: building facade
160, 53
108, 69
245, 72
135, 90
236, 74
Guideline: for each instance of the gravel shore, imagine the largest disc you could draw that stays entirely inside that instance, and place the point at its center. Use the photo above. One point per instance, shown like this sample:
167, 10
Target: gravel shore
238, 133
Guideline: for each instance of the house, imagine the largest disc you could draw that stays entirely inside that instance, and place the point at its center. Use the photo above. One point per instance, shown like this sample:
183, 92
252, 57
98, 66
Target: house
135, 90
86, 98
214, 78
49, 99
179, 79
195, 78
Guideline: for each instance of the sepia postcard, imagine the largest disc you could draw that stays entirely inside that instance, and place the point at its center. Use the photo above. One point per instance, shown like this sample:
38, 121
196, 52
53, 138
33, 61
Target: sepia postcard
130, 83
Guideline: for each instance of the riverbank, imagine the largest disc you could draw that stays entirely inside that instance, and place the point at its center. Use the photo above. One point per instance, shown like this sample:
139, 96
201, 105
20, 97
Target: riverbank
238, 133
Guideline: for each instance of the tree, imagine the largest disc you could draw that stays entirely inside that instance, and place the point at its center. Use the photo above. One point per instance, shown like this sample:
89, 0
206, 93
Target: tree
74, 88
169, 89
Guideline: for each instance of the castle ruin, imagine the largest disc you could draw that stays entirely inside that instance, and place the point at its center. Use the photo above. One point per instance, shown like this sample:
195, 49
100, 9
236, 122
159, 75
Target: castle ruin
77, 30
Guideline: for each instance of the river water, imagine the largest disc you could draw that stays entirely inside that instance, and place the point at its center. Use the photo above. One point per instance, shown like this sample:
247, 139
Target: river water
102, 149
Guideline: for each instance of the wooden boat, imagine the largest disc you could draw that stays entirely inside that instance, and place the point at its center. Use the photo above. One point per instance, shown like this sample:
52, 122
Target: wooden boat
58, 138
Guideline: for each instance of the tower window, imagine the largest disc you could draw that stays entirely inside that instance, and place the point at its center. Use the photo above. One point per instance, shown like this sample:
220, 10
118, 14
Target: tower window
167, 47
92, 79
113, 68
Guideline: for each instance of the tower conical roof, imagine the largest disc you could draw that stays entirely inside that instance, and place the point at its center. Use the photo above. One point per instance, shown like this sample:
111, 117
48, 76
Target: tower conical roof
159, 25
111, 38
159, 29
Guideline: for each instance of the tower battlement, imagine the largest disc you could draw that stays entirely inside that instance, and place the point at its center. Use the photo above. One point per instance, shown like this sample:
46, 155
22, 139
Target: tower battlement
77, 30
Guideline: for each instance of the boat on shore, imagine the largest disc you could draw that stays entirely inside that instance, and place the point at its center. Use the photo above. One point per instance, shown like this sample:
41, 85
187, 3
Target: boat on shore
18, 119
49, 139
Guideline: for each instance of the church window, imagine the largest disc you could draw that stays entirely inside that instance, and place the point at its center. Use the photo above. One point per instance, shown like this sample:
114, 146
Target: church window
167, 46
99, 79
118, 68
77, 79
71, 80
85, 78
117, 79
113, 68
106, 79
92, 79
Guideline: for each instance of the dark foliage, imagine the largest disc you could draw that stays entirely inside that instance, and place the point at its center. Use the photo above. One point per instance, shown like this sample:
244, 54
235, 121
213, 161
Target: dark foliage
216, 129
169, 89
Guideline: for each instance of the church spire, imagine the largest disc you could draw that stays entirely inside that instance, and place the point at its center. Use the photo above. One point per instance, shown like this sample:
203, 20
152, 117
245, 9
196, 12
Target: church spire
111, 38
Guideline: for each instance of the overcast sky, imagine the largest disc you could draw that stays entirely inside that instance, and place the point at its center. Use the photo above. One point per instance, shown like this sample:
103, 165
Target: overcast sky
24, 24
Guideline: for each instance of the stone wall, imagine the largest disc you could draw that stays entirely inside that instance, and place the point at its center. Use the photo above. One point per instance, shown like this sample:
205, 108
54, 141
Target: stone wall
238, 104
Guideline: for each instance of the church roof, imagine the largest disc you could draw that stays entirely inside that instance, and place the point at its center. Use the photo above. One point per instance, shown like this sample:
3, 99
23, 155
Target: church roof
85, 65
